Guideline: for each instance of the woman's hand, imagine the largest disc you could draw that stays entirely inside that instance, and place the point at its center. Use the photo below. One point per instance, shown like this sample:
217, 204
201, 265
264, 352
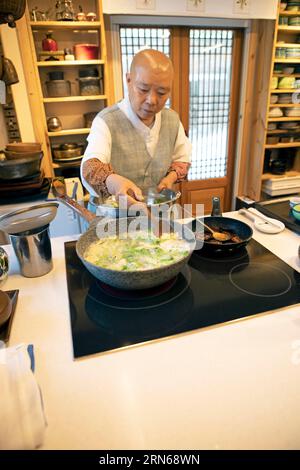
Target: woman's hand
168, 181
120, 186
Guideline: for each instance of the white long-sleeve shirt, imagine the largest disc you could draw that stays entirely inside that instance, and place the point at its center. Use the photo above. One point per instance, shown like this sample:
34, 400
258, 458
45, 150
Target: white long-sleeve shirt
99, 139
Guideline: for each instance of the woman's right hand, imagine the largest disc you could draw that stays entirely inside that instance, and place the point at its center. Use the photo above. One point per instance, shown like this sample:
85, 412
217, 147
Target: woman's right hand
120, 186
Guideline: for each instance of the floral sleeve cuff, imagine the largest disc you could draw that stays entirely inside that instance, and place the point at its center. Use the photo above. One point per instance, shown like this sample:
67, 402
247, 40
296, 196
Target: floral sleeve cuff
181, 169
95, 173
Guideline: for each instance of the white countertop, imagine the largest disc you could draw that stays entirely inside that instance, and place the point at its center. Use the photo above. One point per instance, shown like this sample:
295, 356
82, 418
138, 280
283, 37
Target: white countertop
234, 386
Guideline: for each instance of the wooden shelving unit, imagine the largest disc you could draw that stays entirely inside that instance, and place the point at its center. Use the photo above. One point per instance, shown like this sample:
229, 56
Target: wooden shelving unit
69, 109
283, 149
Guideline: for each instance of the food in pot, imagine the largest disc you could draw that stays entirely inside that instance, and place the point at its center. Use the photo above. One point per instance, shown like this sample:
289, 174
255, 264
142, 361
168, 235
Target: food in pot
141, 251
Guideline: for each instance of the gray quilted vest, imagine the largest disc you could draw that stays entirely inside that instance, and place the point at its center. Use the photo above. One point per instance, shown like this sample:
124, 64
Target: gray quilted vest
129, 155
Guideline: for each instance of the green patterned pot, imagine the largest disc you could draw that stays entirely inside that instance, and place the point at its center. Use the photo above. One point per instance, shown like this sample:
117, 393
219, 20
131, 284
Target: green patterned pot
4, 264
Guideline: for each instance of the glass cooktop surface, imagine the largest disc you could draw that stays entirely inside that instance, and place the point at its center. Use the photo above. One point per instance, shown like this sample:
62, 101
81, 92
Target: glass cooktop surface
208, 291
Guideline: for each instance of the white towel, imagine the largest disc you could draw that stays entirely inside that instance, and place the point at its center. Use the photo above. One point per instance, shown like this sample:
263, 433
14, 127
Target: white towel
22, 420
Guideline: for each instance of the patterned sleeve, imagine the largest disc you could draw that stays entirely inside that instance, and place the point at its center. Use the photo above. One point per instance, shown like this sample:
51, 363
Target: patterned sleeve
181, 169
95, 173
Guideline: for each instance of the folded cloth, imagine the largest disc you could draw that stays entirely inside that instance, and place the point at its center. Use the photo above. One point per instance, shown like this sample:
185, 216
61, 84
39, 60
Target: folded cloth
22, 419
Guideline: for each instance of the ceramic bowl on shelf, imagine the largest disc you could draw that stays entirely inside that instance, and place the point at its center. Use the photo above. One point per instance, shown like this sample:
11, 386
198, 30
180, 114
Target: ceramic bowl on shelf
296, 211
288, 70
294, 201
286, 82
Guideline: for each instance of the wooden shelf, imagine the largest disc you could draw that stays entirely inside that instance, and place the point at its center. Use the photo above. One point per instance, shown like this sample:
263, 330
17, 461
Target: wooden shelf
282, 145
290, 132
289, 13
66, 25
287, 74
66, 165
285, 90
289, 29
61, 63
287, 174
284, 119
64, 99
288, 44
84, 130
291, 60
279, 105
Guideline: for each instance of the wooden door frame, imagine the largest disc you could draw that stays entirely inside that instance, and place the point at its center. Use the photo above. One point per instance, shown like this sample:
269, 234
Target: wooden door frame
180, 103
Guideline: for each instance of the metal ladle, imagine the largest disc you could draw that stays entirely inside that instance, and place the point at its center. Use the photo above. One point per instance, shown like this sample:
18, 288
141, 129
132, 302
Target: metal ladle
220, 237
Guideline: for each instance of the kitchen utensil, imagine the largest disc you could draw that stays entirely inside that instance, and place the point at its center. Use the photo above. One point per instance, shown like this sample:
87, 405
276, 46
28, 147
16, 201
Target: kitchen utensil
57, 88
54, 124
86, 51
33, 251
10, 76
5, 307
130, 280
219, 236
24, 147
11, 10
262, 222
60, 153
4, 264
28, 218
91, 16
26, 166
109, 208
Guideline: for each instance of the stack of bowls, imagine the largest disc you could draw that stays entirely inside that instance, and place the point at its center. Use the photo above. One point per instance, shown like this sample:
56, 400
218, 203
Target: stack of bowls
20, 163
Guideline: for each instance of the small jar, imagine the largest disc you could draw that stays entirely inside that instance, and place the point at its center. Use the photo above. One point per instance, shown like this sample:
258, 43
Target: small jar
90, 86
69, 54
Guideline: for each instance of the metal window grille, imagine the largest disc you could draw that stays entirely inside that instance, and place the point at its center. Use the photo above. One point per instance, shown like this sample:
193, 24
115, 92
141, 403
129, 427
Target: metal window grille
134, 39
210, 75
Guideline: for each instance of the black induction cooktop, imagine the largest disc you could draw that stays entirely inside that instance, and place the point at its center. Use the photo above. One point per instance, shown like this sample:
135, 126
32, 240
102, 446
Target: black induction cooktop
208, 291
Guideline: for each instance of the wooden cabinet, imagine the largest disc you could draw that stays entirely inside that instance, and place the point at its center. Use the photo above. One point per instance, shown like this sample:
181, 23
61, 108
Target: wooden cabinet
281, 159
75, 95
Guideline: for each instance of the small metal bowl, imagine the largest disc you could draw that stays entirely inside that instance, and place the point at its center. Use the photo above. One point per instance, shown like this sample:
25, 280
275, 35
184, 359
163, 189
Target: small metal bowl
152, 199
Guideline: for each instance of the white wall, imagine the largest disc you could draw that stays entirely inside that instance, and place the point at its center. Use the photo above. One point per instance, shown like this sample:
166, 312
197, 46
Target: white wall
211, 8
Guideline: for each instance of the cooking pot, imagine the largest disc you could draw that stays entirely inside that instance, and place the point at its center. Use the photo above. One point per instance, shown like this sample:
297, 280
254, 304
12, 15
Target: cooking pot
109, 207
129, 280
220, 223
12, 10
26, 166
69, 152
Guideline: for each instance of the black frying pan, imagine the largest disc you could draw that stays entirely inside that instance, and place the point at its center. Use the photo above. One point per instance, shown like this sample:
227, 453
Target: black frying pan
219, 223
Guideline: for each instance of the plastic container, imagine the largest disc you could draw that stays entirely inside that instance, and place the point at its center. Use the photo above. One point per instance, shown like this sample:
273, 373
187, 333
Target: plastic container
90, 86
57, 88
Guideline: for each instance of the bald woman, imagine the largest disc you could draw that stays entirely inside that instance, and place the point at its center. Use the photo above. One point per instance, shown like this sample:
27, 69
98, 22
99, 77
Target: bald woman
137, 143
